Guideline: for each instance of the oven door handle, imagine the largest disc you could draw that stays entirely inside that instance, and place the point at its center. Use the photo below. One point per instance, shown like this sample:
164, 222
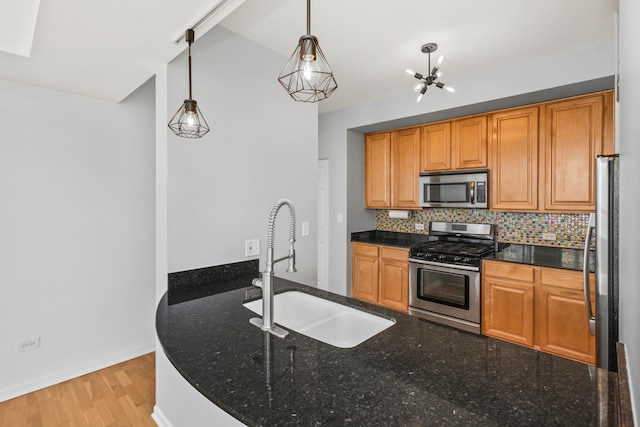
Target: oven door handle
443, 265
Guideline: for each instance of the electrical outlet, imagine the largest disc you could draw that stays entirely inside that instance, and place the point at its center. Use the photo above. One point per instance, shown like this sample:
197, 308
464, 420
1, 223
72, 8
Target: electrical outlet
305, 229
252, 247
419, 226
26, 345
548, 236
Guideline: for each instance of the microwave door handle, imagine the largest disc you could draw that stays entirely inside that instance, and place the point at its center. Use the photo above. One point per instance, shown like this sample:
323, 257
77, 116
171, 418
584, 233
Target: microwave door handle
585, 271
472, 192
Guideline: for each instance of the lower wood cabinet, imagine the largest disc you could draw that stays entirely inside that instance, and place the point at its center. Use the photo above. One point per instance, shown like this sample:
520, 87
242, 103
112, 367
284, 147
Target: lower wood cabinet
537, 307
380, 275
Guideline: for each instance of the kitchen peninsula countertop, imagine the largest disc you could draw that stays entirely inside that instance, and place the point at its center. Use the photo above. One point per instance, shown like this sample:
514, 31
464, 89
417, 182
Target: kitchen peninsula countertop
415, 373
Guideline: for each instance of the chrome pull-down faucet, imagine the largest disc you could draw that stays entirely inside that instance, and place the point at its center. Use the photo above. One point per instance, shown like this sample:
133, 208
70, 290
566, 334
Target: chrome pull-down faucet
266, 323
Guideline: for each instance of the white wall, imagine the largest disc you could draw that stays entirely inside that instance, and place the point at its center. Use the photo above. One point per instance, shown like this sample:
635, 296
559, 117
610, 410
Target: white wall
346, 167
629, 143
262, 147
76, 233
220, 189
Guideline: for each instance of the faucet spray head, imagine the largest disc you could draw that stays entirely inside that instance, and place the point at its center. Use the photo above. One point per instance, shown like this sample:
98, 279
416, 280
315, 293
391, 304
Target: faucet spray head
291, 265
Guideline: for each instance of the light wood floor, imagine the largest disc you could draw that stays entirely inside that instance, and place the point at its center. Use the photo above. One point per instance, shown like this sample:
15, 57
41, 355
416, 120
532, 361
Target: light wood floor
120, 395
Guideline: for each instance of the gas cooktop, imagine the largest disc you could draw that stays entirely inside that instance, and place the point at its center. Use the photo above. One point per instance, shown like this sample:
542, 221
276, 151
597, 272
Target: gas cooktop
456, 243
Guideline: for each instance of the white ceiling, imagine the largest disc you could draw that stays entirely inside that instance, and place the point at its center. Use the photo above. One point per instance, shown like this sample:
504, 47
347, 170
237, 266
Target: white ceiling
107, 49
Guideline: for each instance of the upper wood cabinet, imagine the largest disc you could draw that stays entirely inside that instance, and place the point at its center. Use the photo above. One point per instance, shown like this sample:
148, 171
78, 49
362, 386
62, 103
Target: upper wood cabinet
405, 168
377, 170
391, 170
542, 158
435, 149
514, 160
469, 144
571, 136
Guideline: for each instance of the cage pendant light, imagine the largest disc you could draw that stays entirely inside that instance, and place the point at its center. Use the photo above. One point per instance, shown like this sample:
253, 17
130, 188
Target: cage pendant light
188, 121
307, 76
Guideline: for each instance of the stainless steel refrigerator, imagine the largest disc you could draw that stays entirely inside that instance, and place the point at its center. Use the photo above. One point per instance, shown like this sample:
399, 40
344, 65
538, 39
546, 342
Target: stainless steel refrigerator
602, 233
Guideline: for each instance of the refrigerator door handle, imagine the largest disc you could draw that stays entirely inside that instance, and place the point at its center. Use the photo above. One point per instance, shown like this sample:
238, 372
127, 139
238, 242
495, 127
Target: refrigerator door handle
585, 271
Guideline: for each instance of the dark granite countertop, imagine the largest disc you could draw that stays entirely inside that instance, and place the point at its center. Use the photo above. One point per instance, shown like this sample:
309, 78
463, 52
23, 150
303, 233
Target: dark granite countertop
389, 238
416, 373
543, 256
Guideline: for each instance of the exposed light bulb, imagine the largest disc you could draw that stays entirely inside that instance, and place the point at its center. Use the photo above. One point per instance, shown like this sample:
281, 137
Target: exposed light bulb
440, 59
439, 74
190, 120
419, 98
410, 72
418, 87
449, 89
310, 70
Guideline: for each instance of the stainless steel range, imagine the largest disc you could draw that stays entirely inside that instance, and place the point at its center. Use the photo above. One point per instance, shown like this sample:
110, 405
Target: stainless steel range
444, 273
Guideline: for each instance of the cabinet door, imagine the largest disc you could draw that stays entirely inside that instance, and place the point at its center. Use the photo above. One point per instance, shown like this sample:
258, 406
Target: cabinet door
405, 163
514, 160
435, 148
364, 272
377, 170
508, 310
394, 278
562, 323
469, 144
571, 138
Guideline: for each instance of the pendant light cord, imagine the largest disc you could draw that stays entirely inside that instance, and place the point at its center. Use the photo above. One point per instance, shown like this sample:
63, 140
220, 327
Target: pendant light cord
308, 17
190, 36
190, 71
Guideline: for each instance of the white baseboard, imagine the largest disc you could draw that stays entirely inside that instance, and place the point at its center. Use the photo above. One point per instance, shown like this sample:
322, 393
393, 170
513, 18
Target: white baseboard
159, 418
89, 367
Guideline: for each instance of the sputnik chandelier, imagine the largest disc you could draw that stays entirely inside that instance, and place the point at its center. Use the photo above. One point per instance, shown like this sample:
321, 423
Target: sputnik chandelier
428, 80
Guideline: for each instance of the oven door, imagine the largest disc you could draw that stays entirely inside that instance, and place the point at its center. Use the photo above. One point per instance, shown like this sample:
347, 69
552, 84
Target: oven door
452, 292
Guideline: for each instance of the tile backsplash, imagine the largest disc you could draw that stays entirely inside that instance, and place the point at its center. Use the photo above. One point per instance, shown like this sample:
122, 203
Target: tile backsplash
513, 227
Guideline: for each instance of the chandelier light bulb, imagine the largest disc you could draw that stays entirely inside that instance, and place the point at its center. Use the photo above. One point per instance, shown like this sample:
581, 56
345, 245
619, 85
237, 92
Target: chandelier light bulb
432, 77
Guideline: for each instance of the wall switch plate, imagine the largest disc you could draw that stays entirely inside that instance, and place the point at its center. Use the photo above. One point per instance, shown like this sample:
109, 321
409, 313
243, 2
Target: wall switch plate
339, 218
252, 247
305, 229
548, 236
419, 226
26, 345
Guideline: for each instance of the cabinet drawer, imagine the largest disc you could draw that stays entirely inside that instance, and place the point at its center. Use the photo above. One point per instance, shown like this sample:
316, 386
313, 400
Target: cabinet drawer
394, 253
509, 271
566, 279
364, 249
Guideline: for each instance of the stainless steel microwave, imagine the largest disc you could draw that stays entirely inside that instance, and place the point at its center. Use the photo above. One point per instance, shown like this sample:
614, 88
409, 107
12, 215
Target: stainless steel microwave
456, 189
